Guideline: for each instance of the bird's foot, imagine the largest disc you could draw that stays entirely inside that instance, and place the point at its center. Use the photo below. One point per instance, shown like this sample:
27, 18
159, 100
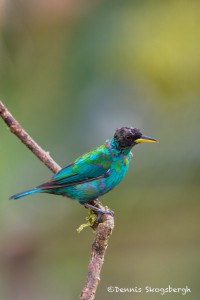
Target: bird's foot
99, 211
104, 211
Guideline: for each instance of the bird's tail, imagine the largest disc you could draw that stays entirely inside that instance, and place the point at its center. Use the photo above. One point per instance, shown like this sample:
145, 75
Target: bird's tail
25, 193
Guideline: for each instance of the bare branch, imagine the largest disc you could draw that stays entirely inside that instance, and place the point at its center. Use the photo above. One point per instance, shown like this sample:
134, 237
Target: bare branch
99, 247
25, 138
103, 230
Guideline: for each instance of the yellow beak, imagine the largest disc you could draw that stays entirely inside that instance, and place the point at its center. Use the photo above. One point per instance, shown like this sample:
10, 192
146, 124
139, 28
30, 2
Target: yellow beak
145, 139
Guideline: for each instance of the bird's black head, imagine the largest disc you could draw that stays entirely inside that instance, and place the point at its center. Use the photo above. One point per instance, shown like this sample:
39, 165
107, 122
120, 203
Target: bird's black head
127, 137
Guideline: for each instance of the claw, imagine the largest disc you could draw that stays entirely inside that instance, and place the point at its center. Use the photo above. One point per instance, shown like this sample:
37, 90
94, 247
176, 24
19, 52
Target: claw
103, 211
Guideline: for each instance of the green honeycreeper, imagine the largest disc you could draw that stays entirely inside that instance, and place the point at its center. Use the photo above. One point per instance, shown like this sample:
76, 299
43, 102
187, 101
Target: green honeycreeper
96, 172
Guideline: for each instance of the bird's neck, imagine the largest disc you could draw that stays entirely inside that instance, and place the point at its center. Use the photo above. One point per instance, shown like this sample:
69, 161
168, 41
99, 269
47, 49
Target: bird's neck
115, 146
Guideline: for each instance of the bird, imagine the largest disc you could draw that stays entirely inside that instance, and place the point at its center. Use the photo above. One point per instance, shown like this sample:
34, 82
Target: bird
96, 172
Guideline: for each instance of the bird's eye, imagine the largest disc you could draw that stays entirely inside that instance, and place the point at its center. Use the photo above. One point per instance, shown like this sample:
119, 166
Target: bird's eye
128, 138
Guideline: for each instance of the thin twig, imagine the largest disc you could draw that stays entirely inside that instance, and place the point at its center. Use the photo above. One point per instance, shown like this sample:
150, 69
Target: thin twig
25, 138
103, 230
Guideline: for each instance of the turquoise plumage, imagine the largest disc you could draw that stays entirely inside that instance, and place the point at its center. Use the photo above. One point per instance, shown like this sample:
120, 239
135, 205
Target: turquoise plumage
96, 172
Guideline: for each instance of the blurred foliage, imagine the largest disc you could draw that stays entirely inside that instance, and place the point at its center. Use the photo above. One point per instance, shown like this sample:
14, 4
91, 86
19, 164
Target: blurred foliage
71, 72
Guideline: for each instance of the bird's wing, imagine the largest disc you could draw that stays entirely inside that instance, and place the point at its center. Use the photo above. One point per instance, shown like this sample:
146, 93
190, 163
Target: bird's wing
91, 166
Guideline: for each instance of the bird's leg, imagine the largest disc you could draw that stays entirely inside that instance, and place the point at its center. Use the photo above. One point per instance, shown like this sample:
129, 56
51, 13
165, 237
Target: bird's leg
99, 211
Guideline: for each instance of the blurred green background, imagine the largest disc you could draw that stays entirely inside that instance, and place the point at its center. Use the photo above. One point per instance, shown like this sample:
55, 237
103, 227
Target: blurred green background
71, 72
